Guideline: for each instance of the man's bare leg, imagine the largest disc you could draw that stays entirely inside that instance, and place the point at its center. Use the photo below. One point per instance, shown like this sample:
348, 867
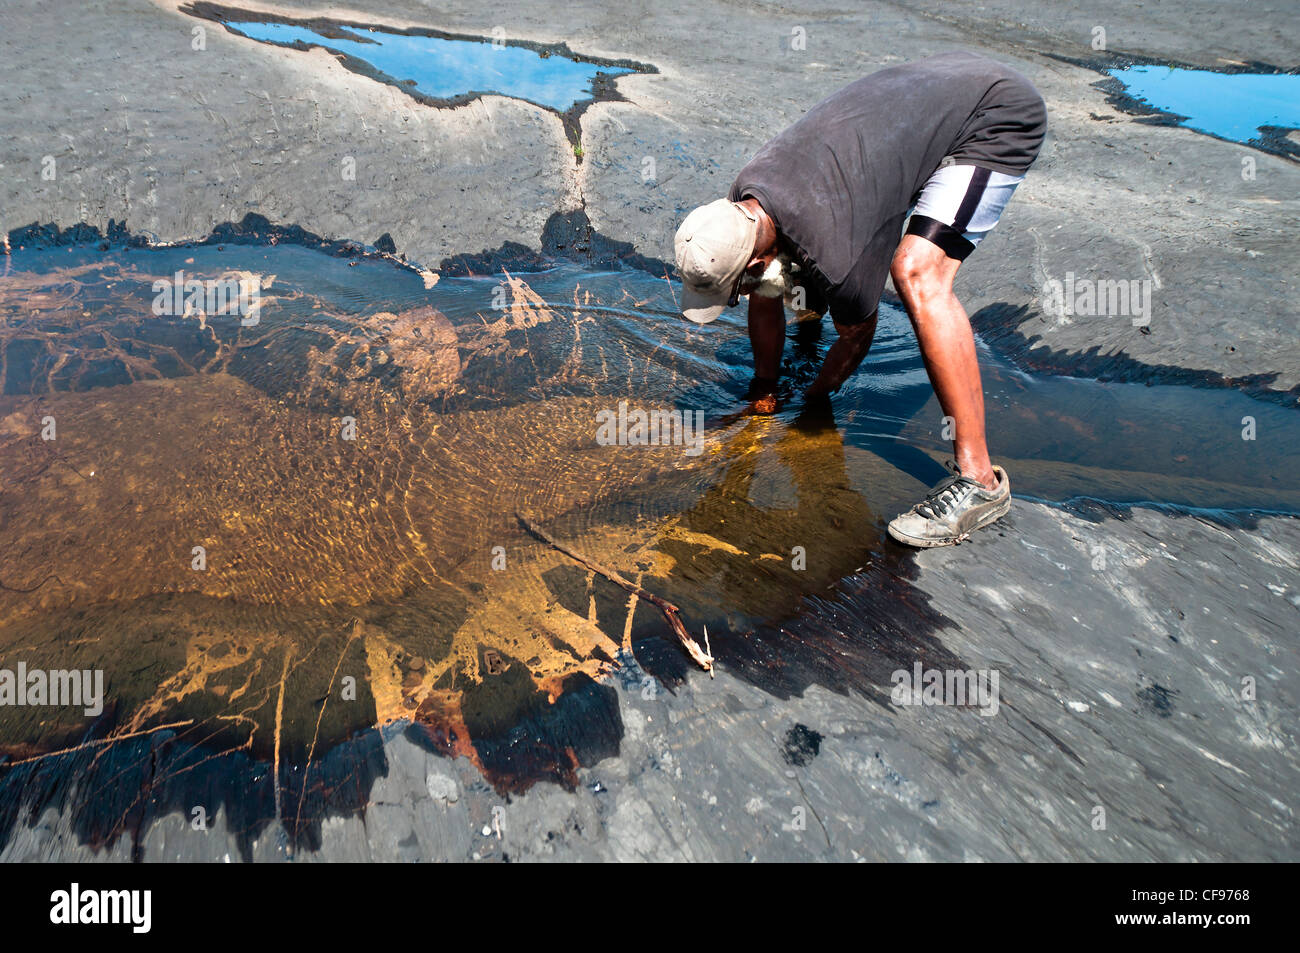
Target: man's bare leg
923, 275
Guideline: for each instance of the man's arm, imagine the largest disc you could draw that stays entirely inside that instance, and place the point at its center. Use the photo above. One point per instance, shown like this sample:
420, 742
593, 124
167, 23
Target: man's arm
767, 340
843, 357
766, 335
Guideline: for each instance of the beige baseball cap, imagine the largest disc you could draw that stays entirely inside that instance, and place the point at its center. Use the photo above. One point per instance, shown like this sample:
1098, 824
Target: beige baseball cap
713, 246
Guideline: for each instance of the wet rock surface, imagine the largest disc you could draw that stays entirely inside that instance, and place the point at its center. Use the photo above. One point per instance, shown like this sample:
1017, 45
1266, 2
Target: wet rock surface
702, 773
1122, 676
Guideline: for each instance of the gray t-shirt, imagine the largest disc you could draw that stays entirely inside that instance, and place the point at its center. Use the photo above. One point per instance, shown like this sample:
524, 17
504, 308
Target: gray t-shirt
839, 182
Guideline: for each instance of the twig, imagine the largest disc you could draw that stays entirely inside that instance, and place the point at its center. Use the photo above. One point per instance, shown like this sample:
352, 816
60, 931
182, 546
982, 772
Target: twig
670, 287
670, 611
96, 743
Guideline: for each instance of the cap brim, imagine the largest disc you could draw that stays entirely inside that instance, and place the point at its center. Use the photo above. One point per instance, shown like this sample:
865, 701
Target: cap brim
701, 308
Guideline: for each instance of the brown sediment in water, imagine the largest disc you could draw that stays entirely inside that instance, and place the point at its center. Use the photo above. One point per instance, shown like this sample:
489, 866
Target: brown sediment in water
323, 558
317, 547
299, 528
348, 585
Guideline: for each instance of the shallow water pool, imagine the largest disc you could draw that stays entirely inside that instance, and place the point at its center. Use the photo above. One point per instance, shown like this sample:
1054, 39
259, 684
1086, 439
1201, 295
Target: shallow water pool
1232, 106
446, 68
232, 515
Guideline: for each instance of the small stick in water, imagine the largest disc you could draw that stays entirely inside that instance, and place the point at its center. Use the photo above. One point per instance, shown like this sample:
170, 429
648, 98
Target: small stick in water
670, 611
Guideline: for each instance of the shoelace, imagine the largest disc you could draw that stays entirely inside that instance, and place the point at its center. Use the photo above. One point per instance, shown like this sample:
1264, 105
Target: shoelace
945, 496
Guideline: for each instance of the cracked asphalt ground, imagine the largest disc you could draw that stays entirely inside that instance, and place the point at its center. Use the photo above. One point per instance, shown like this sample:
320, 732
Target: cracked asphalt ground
1130, 733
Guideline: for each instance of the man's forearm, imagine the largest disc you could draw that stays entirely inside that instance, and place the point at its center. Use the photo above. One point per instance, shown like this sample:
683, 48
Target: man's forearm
844, 356
766, 335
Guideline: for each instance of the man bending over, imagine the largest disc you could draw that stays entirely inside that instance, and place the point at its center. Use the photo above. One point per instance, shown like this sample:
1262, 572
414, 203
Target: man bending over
819, 213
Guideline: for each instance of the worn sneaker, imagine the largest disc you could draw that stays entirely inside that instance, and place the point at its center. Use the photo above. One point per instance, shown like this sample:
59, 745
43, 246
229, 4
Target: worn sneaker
952, 511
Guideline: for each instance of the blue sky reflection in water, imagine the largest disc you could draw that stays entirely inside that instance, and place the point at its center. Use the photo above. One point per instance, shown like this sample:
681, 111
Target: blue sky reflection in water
445, 68
1228, 105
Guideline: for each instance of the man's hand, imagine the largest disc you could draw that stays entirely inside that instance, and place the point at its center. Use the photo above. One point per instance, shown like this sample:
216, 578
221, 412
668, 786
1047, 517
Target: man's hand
762, 406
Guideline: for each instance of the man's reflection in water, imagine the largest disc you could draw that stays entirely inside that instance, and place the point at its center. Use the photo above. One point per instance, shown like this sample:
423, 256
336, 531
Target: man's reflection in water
753, 558
768, 575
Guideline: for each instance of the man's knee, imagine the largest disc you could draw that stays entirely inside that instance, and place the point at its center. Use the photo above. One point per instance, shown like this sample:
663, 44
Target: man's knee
919, 270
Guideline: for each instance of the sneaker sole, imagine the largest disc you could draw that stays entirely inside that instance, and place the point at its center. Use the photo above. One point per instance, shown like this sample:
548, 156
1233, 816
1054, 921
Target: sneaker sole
992, 516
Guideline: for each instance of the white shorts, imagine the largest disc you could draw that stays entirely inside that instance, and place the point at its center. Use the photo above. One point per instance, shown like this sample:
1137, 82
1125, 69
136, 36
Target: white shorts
959, 205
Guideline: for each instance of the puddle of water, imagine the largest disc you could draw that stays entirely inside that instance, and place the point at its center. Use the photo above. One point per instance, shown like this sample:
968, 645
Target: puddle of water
1231, 106
442, 68
375, 559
